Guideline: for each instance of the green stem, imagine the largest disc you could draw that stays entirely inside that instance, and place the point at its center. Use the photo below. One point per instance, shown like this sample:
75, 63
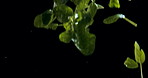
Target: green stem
141, 70
60, 24
131, 22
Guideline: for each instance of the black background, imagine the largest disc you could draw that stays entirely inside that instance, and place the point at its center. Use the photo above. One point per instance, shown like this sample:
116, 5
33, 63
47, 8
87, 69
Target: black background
33, 52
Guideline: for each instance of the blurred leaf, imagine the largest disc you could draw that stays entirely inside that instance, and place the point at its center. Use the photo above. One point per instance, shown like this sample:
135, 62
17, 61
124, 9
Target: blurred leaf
76, 2
114, 4
62, 12
59, 2
67, 26
111, 19
130, 63
92, 9
65, 36
81, 4
85, 21
139, 54
52, 26
79, 14
99, 6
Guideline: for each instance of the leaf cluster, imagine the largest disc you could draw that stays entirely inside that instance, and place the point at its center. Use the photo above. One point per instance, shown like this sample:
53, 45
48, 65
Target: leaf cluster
76, 22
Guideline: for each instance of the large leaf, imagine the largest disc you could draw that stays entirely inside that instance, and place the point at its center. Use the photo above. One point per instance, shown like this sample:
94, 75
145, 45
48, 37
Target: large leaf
42, 20
139, 54
111, 19
130, 63
85, 42
62, 12
114, 4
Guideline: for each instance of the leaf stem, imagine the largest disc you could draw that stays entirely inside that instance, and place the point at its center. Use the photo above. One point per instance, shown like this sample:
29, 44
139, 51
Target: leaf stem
141, 70
131, 22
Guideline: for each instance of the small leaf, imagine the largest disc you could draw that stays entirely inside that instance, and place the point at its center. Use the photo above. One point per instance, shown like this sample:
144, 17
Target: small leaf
111, 19
130, 63
76, 2
38, 21
142, 56
139, 54
43, 19
67, 26
62, 12
65, 37
92, 9
82, 4
85, 21
52, 26
99, 6
114, 4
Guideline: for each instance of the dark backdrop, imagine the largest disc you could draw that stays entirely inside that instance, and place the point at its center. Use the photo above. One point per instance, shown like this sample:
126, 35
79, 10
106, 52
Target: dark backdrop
27, 51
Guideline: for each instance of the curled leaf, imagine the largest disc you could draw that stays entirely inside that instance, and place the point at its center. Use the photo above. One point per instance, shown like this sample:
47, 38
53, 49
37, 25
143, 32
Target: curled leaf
111, 19
130, 63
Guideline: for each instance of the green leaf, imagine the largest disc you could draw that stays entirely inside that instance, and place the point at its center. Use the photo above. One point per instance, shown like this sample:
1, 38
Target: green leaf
65, 36
62, 12
81, 4
76, 2
85, 42
142, 56
139, 54
85, 21
52, 26
92, 9
130, 63
111, 19
114, 4
43, 19
99, 6
59, 2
